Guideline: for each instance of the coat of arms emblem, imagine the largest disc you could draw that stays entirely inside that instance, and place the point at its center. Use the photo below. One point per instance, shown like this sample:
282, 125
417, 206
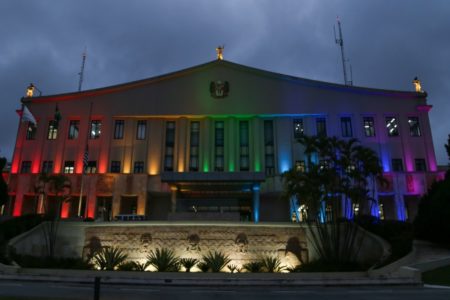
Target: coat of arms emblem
219, 89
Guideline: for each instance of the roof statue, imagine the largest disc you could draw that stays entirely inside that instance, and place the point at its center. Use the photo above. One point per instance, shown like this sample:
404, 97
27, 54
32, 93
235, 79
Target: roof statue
219, 51
417, 85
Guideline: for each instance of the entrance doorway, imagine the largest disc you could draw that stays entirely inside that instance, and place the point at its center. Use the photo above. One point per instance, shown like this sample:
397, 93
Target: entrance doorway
104, 209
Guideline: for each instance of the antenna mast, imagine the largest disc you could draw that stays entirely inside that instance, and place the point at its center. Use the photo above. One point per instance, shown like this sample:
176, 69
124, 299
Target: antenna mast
340, 42
80, 82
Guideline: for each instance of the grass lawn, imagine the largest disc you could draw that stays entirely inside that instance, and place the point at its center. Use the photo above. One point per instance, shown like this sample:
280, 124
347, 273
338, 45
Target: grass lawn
439, 276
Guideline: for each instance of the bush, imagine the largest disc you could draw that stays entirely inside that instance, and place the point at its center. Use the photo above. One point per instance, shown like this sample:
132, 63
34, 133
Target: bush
133, 266
271, 264
253, 267
188, 263
234, 268
109, 258
215, 261
164, 260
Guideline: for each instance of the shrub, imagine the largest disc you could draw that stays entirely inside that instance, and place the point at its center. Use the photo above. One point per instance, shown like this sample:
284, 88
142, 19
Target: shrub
109, 258
215, 261
271, 264
133, 266
203, 266
233, 268
164, 260
253, 267
188, 263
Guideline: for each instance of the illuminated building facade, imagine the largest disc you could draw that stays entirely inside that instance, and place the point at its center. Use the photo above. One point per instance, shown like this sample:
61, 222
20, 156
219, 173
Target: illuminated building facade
210, 142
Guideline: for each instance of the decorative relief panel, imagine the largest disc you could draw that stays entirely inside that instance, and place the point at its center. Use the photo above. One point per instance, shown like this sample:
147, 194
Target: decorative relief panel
241, 243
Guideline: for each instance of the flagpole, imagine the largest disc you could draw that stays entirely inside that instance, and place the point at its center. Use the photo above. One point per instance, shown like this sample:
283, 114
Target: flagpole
84, 167
8, 204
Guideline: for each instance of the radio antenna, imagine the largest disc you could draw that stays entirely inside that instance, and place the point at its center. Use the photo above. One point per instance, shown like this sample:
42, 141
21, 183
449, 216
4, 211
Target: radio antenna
340, 42
80, 82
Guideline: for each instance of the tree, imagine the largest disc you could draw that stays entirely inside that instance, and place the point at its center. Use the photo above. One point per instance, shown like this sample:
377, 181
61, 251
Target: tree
338, 172
432, 222
59, 185
3, 186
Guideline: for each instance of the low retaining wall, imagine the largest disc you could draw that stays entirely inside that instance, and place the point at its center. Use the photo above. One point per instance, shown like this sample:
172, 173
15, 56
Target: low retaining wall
240, 241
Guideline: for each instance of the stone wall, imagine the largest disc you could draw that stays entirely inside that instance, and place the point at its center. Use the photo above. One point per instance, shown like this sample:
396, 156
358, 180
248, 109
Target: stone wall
241, 243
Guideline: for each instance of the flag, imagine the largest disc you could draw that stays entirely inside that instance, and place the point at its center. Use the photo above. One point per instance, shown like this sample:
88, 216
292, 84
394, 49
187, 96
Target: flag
85, 158
57, 117
27, 116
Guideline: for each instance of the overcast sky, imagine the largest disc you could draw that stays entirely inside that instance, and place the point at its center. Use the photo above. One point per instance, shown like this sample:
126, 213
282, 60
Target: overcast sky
388, 43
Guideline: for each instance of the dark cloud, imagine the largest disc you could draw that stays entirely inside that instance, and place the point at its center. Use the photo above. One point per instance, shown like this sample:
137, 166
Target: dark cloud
388, 42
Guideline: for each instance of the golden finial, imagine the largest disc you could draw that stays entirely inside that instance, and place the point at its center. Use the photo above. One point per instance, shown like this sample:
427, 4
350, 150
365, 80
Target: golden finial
219, 51
417, 85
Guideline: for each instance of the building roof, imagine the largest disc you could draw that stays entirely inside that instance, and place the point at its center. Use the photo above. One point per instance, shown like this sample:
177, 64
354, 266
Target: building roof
227, 64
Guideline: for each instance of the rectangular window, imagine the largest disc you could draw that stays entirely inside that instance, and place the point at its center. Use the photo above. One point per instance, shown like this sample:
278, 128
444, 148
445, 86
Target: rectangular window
141, 129
219, 146
52, 133
244, 155
26, 167
96, 129
269, 147
91, 167
369, 126
138, 167
346, 127
115, 166
321, 127
74, 128
299, 130
397, 165
300, 166
118, 129
392, 126
47, 167
31, 131
69, 167
420, 165
170, 145
194, 146
414, 127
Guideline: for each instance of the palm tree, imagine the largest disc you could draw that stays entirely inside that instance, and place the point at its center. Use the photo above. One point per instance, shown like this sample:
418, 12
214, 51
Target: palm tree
59, 185
342, 177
